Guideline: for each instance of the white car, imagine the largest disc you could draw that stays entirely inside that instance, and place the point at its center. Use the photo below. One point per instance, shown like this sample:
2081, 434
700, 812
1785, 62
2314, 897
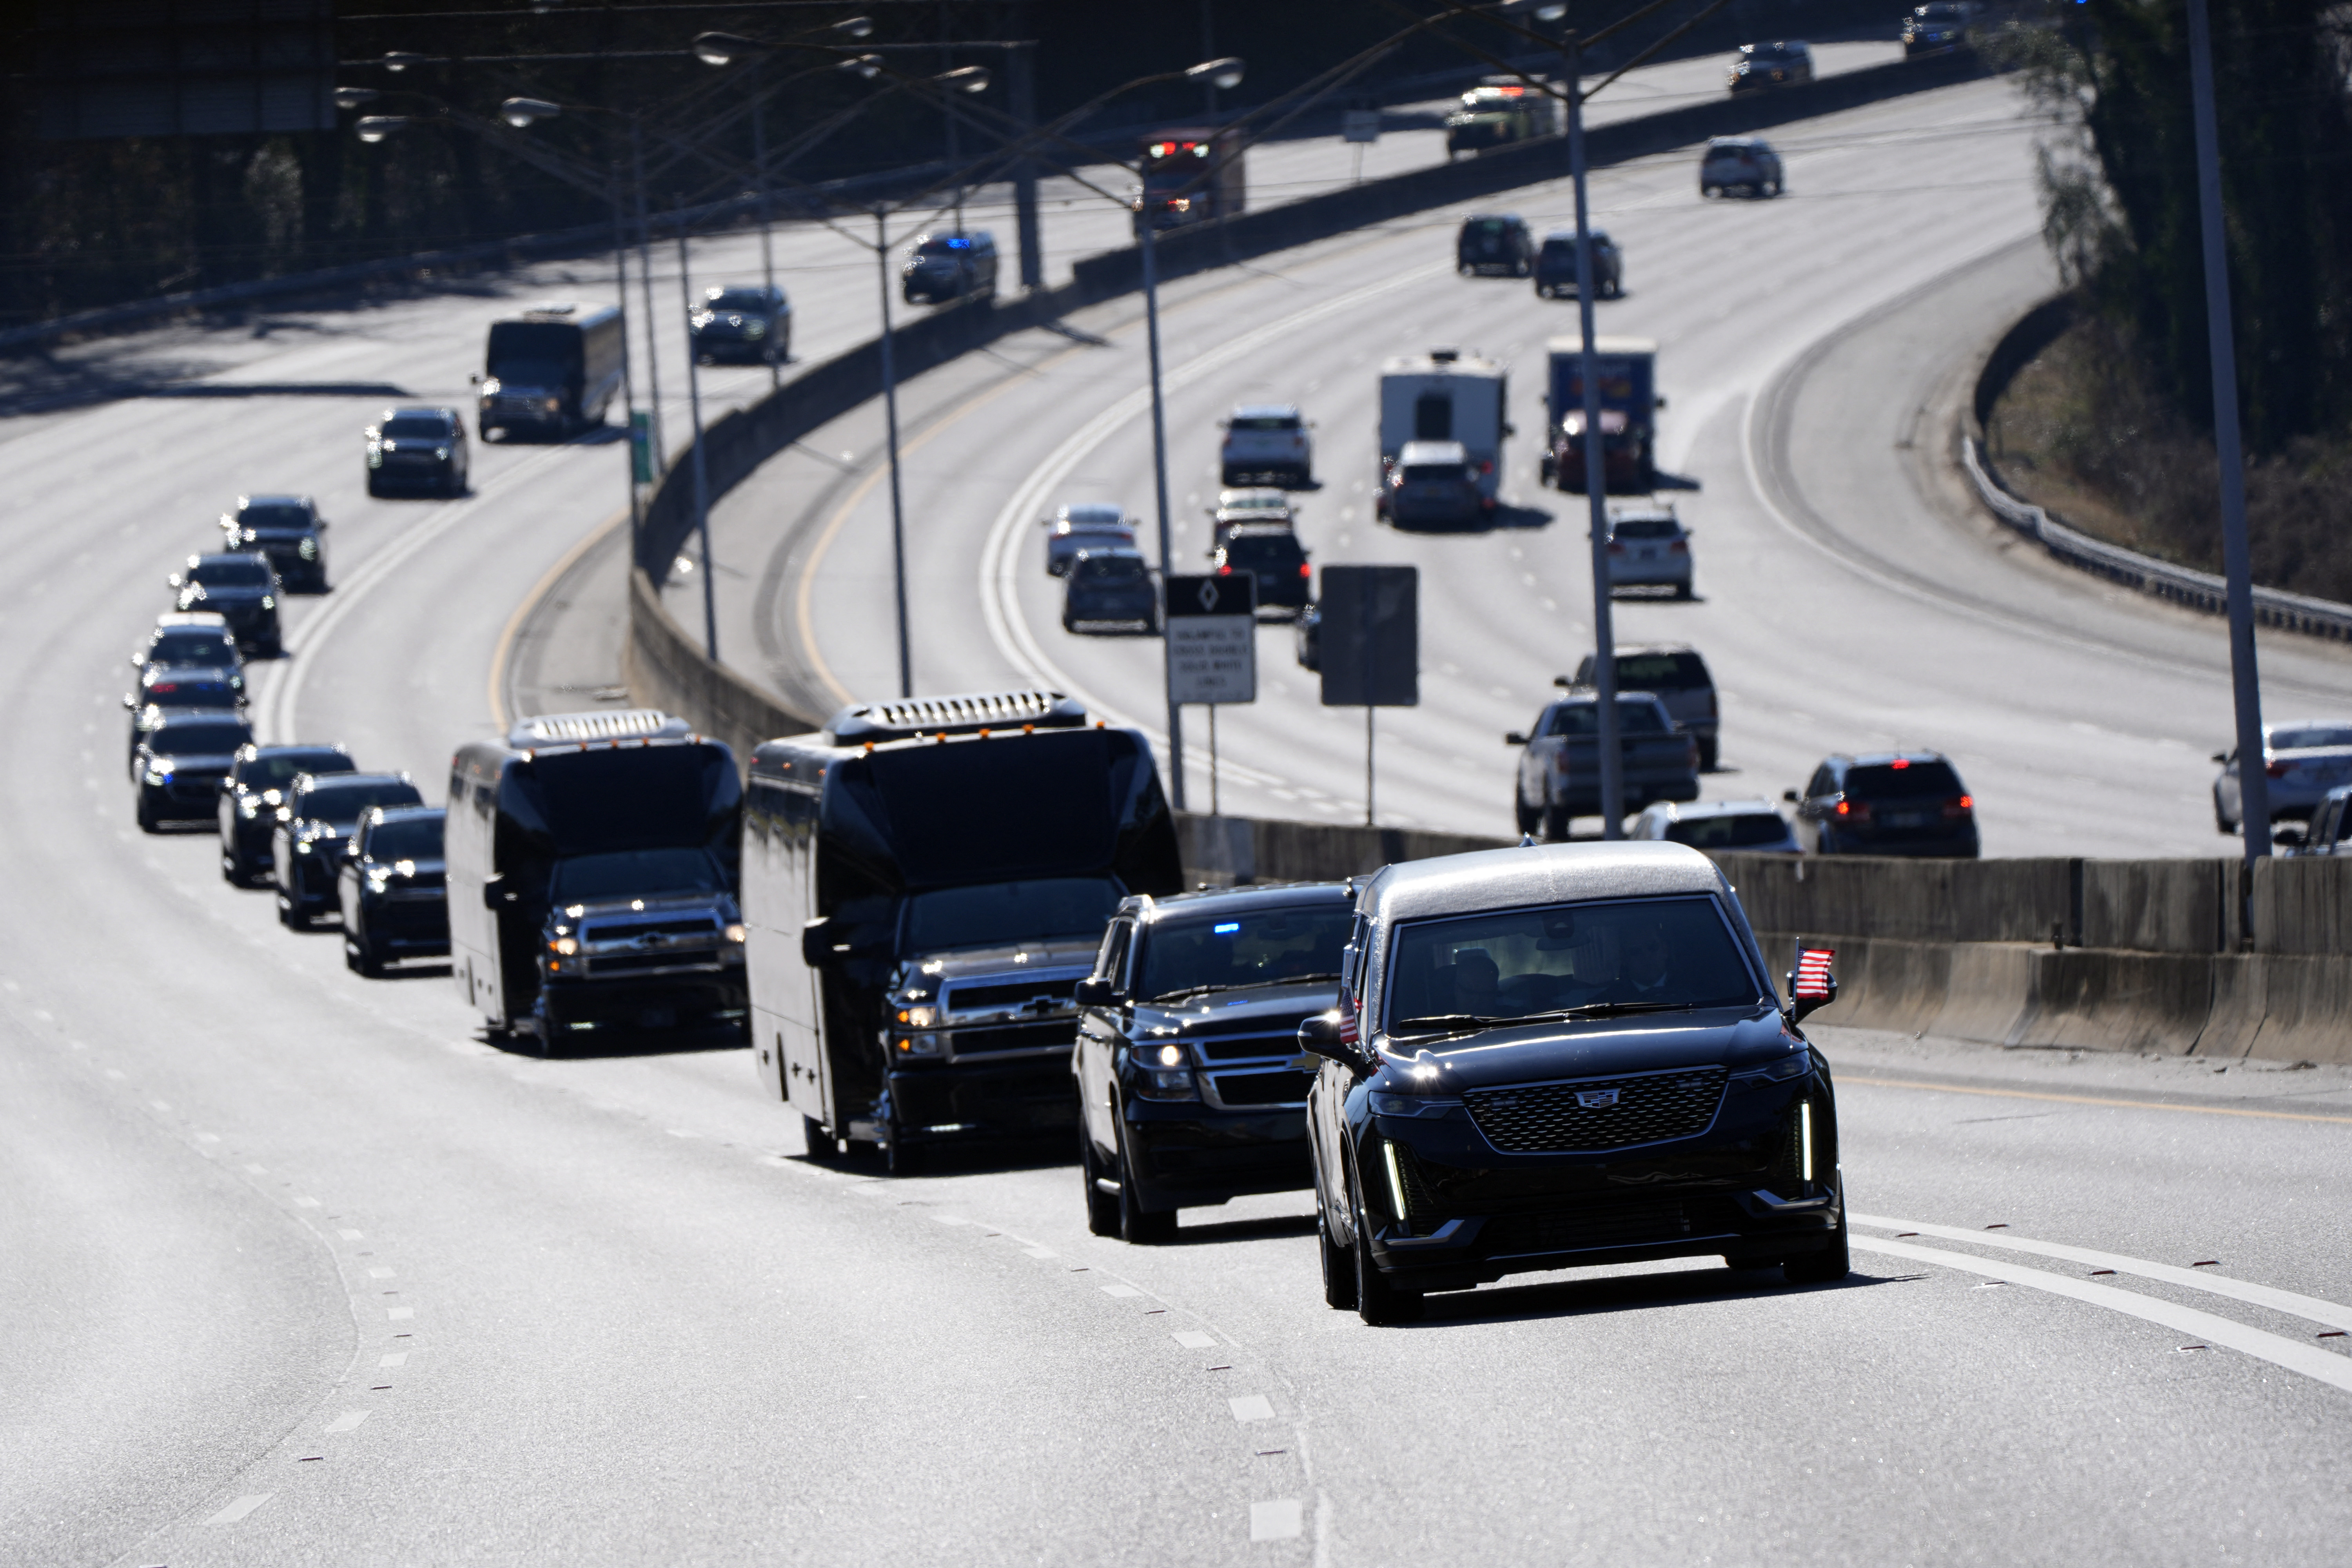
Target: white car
1268, 442
1649, 548
1755, 825
2305, 758
1088, 525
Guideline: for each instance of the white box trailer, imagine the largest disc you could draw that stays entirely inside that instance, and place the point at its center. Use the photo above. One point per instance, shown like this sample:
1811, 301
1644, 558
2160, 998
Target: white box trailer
1446, 396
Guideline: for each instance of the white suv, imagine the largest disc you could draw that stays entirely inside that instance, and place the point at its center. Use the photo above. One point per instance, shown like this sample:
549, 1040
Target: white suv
1268, 442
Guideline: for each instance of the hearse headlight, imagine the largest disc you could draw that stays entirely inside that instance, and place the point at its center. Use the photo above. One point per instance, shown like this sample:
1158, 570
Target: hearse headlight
309, 550
441, 454
269, 601
247, 806
159, 772
1412, 1104
1796, 1064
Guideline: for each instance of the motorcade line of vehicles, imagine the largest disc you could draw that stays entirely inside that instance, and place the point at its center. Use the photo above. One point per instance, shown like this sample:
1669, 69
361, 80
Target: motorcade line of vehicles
415, 449
551, 372
1555, 267
1191, 176
181, 761
1760, 67
163, 691
945, 269
1189, 1088
252, 802
752, 323
1677, 677
188, 639
289, 530
1558, 1056
1268, 443
390, 890
2304, 760
1905, 801
1559, 760
591, 861
316, 833
925, 882
242, 589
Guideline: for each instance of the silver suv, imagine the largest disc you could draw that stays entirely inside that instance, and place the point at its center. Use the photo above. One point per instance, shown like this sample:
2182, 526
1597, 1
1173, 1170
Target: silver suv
1268, 443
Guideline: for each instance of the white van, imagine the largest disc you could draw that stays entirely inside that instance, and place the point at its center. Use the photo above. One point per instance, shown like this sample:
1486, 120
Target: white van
1446, 396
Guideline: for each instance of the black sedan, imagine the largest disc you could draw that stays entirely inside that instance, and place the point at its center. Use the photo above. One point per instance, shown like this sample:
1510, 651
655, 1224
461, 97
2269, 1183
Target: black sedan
307, 848
1276, 558
163, 692
1563, 1054
240, 587
750, 324
1189, 1088
392, 890
253, 802
180, 761
417, 449
286, 529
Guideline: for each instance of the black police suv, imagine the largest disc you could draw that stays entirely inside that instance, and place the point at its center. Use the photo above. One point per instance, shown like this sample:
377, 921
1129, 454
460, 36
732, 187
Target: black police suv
751, 324
180, 761
417, 449
1189, 1088
946, 268
1562, 1054
1887, 803
307, 848
243, 589
253, 802
197, 641
1276, 558
163, 692
393, 889
1495, 244
286, 529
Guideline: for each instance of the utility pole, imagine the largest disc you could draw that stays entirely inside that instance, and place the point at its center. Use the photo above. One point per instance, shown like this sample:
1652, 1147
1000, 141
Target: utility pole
1596, 468
1159, 479
890, 414
702, 470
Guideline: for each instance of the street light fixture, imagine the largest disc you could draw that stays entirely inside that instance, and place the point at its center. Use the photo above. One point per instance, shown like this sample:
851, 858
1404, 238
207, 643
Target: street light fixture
964, 79
353, 97
374, 128
1224, 75
522, 113
401, 59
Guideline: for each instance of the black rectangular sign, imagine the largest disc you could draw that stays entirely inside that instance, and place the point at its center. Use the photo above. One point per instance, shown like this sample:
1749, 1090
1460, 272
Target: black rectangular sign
1371, 636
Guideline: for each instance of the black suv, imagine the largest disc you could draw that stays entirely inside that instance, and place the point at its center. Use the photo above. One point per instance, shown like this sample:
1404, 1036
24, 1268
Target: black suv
180, 764
418, 449
317, 834
253, 802
1556, 267
1495, 244
1276, 558
754, 325
242, 589
164, 692
1938, 27
393, 890
286, 529
187, 642
1189, 1089
945, 268
1887, 803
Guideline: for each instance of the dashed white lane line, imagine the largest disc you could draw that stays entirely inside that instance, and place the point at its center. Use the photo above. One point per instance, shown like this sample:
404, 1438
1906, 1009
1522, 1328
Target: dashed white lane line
2331, 1313
352, 1235
257, 1170
1252, 1407
1276, 1521
392, 1358
1120, 1290
1040, 1251
380, 1274
348, 1421
1194, 1340
2309, 1360
400, 1314
240, 1508
306, 1203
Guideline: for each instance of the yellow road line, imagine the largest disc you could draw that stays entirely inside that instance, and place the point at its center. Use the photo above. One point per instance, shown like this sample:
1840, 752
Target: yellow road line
2092, 1099
504, 651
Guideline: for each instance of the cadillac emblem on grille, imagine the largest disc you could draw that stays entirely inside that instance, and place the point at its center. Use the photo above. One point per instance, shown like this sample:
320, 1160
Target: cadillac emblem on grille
1594, 1098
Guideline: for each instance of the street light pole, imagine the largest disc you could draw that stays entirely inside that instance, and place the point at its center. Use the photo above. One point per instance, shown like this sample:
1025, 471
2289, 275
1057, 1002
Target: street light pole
660, 454
890, 415
767, 242
2253, 781
1596, 471
628, 378
1160, 481
702, 470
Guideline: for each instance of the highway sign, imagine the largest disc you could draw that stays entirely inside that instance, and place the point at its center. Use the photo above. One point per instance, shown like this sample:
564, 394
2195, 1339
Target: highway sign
1213, 638
1371, 636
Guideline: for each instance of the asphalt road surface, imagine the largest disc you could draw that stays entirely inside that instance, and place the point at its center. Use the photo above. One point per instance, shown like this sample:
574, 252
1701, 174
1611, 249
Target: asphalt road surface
297, 1269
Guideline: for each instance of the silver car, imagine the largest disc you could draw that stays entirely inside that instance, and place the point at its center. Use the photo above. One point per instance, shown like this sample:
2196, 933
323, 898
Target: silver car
1268, 442
1756, 826
1649, 548
2305, 758
1088, 525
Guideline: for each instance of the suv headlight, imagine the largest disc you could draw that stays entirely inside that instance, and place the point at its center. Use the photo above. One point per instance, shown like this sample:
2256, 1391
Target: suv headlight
159, 772
736, 933
917, 1017
914, 1045
1165, 1083
269, 601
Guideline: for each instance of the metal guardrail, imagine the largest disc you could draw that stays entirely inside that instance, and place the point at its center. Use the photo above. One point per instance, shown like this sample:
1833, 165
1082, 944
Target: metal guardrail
2197, 590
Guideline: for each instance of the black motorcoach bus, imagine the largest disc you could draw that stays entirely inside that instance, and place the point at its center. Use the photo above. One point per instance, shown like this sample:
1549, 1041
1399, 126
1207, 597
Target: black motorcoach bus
592, 872
926, 882
551, 372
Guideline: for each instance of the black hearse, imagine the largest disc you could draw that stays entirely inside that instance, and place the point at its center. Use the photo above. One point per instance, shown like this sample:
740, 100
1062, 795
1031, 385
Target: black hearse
1189, 1091
1561, 1055
590, 870
926, 882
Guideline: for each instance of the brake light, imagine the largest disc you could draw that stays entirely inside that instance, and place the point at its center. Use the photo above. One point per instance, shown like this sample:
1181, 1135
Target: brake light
1958, 807
1899, 763
2277, 770
1856, 810
1224, 571
1679, 547
1303, 569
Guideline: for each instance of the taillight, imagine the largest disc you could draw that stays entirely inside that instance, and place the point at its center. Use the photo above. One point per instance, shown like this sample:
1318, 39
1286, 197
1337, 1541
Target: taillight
1856, 810
2277, 770
1304, 569
1615, 548
1487, 466
1224, 571
1679, 547
1959, 806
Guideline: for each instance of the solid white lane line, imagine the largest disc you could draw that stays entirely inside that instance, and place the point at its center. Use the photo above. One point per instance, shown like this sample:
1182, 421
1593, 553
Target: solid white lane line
240, 1508
1277, 1521
1252, 1407
348, 1421
1193, 1340
2309, 1360
2331, 1313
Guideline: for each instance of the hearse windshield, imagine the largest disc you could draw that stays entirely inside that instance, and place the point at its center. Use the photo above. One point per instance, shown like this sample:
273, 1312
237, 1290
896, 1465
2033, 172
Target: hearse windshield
1637, 955
633, 873
1189, 954
1002, 913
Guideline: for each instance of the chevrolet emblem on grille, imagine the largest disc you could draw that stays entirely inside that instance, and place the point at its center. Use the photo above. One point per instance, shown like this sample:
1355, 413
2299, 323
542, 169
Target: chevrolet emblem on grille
1594, 1098
655, 938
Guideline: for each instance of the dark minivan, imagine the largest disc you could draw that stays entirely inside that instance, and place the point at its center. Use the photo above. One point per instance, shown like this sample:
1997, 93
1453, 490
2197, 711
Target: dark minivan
1887, 803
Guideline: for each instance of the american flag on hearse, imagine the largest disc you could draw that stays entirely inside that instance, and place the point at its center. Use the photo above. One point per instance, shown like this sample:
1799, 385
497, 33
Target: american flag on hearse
1813, 970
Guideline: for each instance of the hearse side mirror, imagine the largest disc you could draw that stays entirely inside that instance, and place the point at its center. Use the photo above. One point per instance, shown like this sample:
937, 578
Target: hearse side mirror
1319, 1036
2221, 757
1812, 986
1515, 737
1094, 991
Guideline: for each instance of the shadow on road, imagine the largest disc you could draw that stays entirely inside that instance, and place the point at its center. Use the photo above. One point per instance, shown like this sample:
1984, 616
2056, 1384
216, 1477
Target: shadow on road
1219, 1232
1627, 1293
1502, 520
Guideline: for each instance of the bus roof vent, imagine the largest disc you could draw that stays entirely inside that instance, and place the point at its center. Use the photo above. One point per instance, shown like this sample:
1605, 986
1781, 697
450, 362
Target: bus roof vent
1444, 356
608, 724
939, 715
551, 310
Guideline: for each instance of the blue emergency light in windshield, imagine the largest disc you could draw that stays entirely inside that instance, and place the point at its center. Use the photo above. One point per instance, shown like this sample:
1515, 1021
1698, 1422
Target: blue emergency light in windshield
958, 245
1227, 929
